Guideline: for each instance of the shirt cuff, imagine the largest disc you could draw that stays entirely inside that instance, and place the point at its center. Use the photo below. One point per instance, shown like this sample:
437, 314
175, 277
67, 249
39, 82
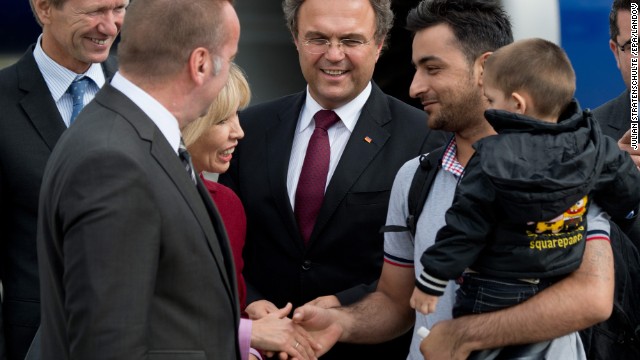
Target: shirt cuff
256, 353
244, 338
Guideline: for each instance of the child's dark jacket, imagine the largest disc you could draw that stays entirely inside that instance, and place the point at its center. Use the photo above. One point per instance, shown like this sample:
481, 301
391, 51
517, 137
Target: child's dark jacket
518, 180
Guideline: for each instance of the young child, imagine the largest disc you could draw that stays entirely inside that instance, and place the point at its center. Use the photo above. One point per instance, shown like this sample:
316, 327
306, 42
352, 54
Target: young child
518, 221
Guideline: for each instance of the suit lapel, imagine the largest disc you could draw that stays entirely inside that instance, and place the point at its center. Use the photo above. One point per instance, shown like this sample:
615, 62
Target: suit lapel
109, 68
620, 118
172, 165
279, 142
223, 238
170, 162
357, 155
37, 102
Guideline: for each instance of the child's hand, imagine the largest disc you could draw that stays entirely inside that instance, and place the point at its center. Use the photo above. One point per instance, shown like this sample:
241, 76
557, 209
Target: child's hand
422, 302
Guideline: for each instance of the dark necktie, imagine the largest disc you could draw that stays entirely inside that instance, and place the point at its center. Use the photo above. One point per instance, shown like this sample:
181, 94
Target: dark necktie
186, 161
313, 177
77, 90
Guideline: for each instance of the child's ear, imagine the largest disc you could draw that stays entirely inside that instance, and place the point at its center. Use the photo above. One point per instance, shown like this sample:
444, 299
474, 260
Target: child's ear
519, 103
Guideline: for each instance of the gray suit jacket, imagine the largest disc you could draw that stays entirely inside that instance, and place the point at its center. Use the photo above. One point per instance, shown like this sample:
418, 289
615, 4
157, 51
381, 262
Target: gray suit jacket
134, 259
30, 125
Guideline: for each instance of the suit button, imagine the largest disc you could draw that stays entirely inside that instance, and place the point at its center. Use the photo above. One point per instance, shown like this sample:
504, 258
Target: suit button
306, 265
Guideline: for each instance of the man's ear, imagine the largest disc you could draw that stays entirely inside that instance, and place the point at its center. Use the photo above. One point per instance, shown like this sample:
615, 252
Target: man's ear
478, 66
199, 65
614, 49
379, 48
519, 102
42, 9
295, 41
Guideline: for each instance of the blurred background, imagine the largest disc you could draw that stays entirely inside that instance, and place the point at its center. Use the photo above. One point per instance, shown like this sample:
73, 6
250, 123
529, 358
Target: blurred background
270, 59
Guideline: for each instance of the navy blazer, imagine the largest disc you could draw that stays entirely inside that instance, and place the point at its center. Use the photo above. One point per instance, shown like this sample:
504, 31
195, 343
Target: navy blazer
345, 251
30, 125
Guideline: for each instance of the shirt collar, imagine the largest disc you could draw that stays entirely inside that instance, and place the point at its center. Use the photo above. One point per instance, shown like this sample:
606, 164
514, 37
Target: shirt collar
348, 113
450, 159
58, 77
164, 120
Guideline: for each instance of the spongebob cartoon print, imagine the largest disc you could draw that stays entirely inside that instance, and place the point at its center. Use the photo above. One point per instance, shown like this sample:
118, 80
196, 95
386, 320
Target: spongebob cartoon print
565, 230
567, 221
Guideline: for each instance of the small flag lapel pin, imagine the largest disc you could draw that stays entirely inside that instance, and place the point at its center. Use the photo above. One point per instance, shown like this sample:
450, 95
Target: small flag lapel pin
367, 139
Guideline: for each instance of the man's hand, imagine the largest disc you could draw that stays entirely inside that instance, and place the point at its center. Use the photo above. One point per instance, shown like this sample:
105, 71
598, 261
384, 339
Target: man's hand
259, 309
443, 342
550, 314
625, 144
277, 333
322, 324
422, 302
325, 302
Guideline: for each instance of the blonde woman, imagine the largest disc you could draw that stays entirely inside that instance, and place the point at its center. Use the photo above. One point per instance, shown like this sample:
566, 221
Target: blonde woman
211, 141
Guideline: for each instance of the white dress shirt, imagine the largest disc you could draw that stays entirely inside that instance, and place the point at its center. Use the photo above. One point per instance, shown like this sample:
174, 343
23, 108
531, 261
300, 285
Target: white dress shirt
59, 78
164, 120
338, 136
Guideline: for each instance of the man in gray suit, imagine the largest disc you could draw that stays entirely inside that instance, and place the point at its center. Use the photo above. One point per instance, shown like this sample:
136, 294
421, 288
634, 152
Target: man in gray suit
36, 109
134, 259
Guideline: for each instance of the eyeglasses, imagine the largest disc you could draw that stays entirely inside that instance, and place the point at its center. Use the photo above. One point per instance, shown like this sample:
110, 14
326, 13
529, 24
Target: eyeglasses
321, 46
626, 47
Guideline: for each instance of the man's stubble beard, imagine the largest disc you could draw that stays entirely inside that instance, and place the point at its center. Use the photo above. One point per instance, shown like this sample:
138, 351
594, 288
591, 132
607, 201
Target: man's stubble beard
457, 115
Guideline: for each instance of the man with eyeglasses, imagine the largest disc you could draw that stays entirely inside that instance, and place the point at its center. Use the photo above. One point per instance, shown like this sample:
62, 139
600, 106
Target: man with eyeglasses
615, 337
316, 194
615, 115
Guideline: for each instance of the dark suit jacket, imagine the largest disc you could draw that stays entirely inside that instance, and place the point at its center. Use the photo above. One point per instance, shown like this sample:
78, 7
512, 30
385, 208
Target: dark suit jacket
30, 125
134, 259
614, 118
345, 251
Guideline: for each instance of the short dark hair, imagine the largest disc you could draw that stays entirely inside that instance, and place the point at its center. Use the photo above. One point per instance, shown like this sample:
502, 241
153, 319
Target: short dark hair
479, 25
538, 67
617, 6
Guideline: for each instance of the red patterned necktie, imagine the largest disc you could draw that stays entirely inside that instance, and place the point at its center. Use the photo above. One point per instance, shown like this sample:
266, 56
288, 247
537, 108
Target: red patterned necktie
313, 177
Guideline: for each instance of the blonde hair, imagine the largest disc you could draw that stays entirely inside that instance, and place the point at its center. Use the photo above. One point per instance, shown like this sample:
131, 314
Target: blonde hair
234, 96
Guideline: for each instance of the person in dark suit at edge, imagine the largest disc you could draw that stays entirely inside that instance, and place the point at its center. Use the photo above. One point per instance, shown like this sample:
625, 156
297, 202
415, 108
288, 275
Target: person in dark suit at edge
614, 116
37, 107
134, 259
314, 236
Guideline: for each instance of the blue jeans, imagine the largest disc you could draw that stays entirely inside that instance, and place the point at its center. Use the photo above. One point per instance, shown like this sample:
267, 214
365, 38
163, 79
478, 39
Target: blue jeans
482, 294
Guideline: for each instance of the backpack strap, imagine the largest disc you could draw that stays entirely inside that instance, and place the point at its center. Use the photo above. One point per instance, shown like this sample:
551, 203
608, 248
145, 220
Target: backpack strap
419, 190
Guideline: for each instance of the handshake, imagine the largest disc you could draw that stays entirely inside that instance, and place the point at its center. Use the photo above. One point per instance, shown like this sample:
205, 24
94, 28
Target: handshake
310, 333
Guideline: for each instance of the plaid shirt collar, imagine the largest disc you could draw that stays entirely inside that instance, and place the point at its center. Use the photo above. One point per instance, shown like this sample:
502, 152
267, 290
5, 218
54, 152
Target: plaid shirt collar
450, 160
